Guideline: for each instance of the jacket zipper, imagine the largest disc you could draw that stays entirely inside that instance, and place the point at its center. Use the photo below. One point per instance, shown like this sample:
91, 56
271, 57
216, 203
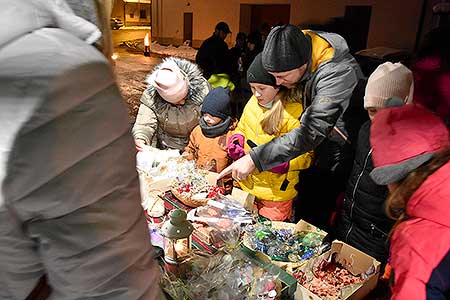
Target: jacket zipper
354, 192
373, 228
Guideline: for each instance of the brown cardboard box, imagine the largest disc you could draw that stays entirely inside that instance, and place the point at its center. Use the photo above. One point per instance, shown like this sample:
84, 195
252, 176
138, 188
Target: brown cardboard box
244, 198
357, 262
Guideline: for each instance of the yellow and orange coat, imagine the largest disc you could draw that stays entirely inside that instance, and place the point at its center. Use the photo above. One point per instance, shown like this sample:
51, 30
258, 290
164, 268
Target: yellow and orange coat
266, 185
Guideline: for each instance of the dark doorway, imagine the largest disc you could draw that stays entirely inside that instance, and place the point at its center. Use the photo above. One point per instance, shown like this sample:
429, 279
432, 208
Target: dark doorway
256, 17
187, 28
357, 21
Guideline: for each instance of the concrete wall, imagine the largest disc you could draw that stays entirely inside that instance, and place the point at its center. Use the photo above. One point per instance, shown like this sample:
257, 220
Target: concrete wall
393, 23
206, 14
129, 12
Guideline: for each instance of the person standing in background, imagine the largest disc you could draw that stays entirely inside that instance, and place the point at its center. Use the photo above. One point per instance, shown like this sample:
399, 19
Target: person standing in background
212, 56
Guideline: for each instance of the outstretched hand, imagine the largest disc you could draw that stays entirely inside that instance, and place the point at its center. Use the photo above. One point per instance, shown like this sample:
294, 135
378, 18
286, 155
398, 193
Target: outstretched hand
240, 169
140, 144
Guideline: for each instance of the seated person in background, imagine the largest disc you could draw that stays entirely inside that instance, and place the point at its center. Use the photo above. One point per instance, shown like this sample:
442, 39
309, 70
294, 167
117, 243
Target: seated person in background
208, 141
170, 106
268, 114
362, 222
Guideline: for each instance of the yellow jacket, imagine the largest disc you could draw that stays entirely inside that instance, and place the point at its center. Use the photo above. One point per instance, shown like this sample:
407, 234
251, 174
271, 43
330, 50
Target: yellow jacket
222, 80
267, 185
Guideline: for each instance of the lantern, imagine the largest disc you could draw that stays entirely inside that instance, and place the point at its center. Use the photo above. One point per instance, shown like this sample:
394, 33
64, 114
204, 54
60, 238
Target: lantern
177, 236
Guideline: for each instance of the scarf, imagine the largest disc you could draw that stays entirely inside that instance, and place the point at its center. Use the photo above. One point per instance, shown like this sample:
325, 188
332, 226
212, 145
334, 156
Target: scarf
215, 130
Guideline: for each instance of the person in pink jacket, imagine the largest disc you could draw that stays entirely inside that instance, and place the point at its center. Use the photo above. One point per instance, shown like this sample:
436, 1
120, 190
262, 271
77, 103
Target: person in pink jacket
411, 156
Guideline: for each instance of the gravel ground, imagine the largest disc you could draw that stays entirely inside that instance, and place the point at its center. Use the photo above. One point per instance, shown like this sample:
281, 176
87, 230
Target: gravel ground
132, 67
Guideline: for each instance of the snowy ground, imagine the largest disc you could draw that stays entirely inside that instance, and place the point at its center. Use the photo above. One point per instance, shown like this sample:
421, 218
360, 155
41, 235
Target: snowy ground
181, 51
132, 67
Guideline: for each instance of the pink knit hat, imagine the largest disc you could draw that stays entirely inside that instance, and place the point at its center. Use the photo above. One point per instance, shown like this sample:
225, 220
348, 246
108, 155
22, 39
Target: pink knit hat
170, 82
403, 138
388, 80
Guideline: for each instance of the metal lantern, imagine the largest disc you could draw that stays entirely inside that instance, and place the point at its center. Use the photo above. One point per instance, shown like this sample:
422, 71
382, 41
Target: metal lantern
177, 236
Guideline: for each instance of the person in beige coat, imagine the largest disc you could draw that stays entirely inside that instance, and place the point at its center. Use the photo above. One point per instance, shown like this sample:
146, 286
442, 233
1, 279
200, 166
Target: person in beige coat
170, 106
69, 196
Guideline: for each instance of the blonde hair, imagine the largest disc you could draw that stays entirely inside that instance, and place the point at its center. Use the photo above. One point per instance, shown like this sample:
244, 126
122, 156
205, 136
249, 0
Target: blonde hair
105, 45
272, 119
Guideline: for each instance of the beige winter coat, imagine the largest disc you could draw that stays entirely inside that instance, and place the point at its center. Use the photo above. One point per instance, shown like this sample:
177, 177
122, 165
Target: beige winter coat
164, 125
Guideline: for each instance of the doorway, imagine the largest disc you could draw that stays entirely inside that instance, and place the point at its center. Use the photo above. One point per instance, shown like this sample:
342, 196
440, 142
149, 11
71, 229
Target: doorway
261, 17
187, 28
357, 20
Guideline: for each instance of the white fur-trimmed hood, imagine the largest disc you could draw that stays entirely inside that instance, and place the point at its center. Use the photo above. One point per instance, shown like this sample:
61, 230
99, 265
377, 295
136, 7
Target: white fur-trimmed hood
198, 85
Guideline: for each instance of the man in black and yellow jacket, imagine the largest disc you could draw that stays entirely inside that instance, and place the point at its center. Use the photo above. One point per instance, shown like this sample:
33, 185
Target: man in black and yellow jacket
322, 65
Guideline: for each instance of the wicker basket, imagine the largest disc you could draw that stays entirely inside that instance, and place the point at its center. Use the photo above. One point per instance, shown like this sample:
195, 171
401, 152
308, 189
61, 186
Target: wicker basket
188, 200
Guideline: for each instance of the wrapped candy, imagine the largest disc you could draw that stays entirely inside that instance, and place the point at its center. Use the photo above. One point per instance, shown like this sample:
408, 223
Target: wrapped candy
283, 244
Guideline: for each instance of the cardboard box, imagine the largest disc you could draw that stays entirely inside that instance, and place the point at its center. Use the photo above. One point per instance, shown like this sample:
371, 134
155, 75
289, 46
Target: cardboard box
300, 226
356, 262
246, 199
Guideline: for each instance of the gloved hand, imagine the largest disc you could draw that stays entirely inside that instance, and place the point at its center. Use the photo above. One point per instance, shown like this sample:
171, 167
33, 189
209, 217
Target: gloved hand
281, 168
235, 146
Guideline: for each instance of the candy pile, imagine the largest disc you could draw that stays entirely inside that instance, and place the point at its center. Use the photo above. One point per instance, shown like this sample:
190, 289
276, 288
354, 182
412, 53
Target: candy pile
329, 280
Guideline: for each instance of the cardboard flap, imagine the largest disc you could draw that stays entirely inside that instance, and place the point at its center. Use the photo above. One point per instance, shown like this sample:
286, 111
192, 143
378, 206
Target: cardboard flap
305, 226
246, 199
355, 261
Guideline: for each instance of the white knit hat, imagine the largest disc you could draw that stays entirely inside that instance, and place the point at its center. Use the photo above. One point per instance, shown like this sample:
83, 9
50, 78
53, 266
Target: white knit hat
389, 80
170, 82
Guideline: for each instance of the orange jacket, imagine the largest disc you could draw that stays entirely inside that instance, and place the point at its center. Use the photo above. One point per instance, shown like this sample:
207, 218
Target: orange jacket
209, 153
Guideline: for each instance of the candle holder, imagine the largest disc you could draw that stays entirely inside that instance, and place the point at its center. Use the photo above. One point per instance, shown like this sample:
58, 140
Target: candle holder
177, 237
146, 45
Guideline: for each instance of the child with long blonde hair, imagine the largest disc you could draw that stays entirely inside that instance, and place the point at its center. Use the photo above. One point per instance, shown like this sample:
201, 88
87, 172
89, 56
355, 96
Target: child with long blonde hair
271, 112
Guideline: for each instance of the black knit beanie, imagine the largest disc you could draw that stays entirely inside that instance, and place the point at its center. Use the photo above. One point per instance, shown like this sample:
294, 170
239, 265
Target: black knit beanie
257, 74
286, 48
217, 103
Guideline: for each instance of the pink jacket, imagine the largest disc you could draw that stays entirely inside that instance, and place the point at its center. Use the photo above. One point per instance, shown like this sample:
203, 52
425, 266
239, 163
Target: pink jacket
420, 248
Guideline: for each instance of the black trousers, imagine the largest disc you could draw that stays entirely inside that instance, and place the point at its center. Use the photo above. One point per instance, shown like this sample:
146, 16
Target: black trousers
320, 185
